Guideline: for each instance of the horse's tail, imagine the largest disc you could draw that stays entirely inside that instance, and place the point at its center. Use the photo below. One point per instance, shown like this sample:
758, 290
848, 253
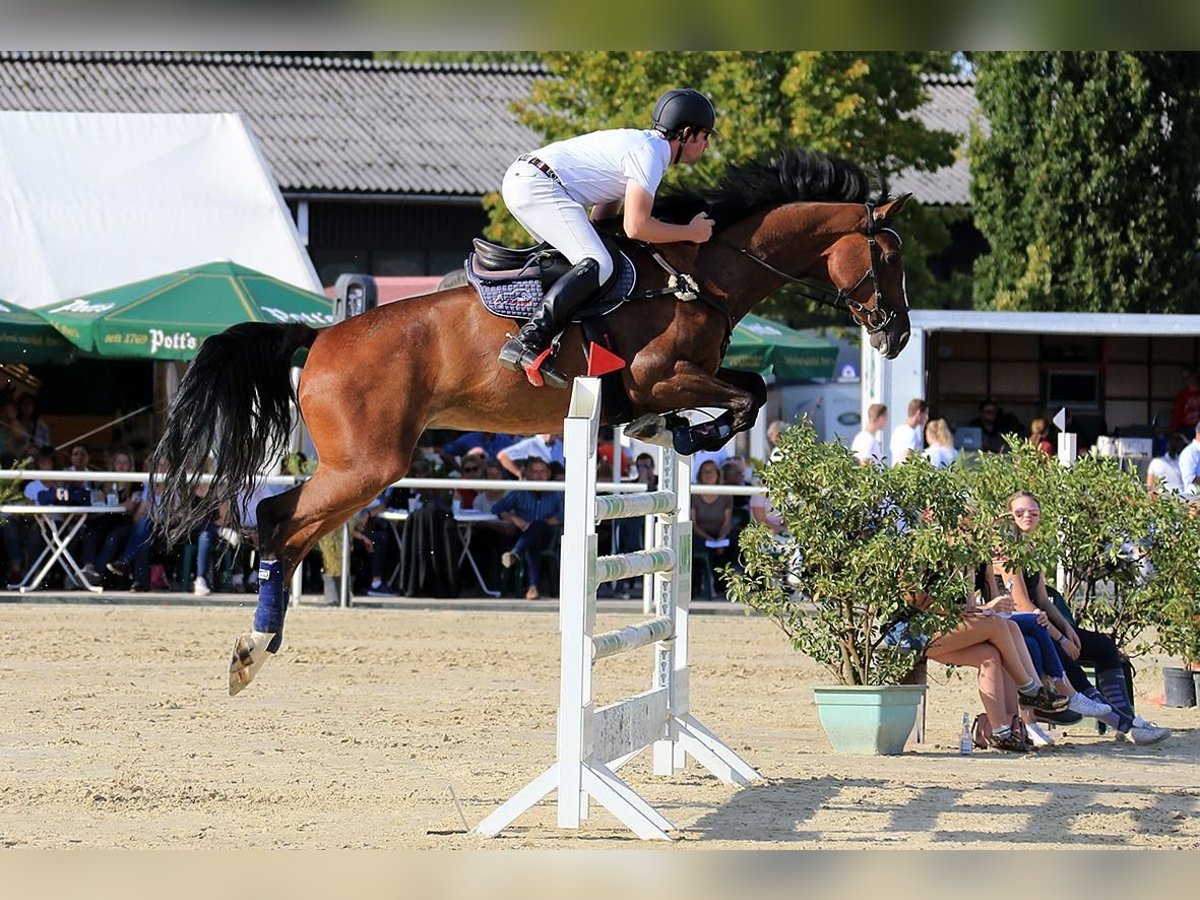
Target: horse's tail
235, 401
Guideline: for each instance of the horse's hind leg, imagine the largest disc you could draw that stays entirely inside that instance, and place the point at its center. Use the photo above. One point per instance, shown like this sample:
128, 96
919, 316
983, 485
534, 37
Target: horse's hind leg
289, 525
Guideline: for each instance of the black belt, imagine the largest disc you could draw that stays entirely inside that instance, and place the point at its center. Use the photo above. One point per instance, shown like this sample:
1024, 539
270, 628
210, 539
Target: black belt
538, 164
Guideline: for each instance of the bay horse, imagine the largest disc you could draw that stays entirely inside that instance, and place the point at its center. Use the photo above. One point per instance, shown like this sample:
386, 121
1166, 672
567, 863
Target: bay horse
371, 384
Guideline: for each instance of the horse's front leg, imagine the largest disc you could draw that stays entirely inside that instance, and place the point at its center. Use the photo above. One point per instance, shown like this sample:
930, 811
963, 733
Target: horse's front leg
687, 386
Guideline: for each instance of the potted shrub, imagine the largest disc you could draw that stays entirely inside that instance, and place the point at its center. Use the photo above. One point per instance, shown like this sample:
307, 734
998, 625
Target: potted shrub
862, 543
1172, 595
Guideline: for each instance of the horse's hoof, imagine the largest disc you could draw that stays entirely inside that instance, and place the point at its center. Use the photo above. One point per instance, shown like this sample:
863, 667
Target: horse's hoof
650, 428
248, 657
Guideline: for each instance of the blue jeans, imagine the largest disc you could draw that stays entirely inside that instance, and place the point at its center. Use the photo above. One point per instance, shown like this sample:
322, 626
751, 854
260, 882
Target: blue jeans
1041, 645
137, 551
204, 544
529, 546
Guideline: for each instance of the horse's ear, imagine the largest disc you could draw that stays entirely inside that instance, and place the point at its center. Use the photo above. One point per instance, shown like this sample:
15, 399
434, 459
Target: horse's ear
892, 208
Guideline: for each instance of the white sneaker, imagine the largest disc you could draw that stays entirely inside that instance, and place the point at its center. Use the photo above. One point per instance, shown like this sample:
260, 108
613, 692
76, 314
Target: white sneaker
1038, 735
508, 559
1086, 706
1146, 734
201, 588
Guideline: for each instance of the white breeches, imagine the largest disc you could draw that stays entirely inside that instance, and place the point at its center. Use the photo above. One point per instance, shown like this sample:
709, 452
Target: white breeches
548, 213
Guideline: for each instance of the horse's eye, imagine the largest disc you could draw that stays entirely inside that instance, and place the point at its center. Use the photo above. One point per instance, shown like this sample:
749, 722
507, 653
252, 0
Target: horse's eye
891, 258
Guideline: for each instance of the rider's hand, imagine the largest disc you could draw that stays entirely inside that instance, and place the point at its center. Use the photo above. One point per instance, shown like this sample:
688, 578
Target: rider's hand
701, 228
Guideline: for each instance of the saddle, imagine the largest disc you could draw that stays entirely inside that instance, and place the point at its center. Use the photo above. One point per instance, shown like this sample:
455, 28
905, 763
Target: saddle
511, 281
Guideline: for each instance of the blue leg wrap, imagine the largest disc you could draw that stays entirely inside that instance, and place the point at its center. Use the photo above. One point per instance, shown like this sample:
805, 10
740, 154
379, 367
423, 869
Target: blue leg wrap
272, 600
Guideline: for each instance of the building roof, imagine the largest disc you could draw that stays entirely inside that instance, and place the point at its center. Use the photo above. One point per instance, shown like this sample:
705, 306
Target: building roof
369, 127
951, 107
325, 125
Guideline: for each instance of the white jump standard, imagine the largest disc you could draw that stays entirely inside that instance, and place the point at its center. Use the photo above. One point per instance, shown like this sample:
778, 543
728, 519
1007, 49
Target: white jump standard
594, 743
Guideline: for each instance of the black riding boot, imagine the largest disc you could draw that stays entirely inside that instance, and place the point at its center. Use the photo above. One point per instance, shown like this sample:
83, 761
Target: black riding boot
566, 296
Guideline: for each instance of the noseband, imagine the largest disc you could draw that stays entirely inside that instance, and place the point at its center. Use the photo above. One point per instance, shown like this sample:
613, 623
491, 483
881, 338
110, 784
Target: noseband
874, 318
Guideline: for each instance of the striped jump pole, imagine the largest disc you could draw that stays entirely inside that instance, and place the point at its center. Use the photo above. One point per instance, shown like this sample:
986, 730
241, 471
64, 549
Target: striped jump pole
594, 743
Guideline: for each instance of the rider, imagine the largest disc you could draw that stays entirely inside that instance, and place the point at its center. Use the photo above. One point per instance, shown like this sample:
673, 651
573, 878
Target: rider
547, 192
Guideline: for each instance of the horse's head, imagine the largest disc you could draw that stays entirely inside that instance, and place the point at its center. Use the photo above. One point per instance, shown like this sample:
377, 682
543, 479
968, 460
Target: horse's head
866, 268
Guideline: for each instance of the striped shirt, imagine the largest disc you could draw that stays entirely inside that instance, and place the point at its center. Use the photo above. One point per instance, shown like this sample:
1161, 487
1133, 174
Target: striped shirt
532, 506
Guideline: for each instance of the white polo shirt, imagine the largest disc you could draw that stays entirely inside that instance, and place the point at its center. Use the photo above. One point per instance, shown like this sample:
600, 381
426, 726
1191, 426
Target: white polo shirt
596, 167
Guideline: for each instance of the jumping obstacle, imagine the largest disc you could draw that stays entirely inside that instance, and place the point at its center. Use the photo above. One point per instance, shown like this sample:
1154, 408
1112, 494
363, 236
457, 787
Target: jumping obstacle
594, 743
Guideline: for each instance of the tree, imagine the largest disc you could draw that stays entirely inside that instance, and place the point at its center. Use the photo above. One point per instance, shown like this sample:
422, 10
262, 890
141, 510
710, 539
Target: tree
854, 105
1086, 185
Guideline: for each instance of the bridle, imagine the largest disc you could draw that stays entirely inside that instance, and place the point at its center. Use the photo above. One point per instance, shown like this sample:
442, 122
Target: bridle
874, 318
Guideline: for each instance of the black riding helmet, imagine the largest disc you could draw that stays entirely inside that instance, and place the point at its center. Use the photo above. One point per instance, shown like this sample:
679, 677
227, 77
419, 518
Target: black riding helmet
681, 107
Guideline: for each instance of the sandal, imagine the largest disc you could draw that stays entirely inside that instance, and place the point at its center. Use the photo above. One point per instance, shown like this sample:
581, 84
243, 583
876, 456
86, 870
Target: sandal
532, 594
1010, 743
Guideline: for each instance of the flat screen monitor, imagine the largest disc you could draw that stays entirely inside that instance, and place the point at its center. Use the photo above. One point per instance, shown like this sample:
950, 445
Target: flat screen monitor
1077, 390
968, 438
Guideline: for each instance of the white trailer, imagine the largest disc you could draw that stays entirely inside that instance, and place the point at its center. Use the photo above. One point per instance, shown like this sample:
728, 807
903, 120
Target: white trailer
1117, 373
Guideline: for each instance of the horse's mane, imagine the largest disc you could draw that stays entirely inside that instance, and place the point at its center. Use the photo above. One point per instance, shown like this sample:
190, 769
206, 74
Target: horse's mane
789, 176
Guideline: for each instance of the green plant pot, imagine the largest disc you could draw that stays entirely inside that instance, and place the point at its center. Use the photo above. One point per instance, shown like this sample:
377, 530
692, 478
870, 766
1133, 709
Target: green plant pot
868, 720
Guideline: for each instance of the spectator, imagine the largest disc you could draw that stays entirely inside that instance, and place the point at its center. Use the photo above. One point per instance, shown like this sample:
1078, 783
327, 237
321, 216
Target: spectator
993, 425
1031, 599
485, 500
22, 540
1164, 475
108, 535
535, 514
719, 456
546, 447
940, 450
81, 462
1185, 412
774, 432
1008, 678
909, 436
1043, 626
712, 517
471, 468
1039, 435
867, 446
762, 512
1189, 464
134, 560
487, 443
14, 439
31, 420
605, 452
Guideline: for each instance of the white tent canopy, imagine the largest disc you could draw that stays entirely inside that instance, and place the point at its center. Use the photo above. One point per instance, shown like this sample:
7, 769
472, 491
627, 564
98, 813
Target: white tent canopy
93, 200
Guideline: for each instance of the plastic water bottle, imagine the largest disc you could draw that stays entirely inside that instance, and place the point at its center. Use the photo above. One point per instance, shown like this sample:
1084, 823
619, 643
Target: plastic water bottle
965, 743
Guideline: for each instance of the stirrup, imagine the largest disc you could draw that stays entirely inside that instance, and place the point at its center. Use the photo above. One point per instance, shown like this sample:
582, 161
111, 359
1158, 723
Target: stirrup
516, 356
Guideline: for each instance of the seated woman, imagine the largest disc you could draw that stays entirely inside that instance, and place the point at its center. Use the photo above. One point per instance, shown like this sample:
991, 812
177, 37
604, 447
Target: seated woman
1071, 645
712, 517
1008, 680
1043, 627
105, 541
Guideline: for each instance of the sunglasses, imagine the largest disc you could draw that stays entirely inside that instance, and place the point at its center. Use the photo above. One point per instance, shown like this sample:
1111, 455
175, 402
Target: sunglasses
1027, 511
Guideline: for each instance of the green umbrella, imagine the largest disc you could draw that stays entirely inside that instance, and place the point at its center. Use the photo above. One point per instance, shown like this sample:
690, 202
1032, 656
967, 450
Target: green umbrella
169, 316
763, 346
27, 338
